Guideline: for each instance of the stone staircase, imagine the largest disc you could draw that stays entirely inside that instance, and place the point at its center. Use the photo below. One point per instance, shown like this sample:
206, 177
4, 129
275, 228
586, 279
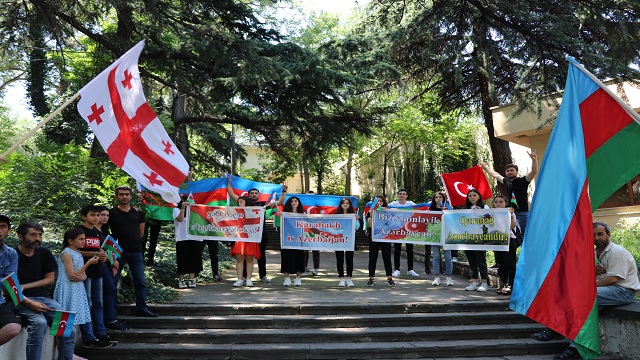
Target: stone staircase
327, 331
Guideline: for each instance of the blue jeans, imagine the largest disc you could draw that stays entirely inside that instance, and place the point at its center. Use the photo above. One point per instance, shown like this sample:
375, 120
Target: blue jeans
93, 288
522, 218
613, 296
37, 329
448, 264
109, 296
136, 269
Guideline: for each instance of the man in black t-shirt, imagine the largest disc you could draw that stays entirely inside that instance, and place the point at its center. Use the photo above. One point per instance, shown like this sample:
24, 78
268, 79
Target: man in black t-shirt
36, 267
127, 226
516, 188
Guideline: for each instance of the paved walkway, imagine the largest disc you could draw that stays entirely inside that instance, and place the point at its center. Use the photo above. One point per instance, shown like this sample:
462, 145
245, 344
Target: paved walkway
323, 289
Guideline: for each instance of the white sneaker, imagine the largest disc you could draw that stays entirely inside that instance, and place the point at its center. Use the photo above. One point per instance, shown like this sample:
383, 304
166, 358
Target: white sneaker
483, 288
472, 287
297, 282
249, 283
341, 283
191, 283
396, 273
287, 282
265, 279
454, 259
412, 273
436, 281
350, 283
303, 274
238, 283
182, 284
449, 281
315, 272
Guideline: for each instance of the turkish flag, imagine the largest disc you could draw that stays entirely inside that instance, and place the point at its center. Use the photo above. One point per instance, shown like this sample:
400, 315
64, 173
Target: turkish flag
114, 106
457, 185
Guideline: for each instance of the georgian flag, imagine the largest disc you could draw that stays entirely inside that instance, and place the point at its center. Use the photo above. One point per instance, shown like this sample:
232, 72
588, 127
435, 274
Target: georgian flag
114, 106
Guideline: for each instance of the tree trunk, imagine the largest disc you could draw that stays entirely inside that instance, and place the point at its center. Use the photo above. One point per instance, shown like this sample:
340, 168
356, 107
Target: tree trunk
307, 176
499, 148
383, 183
180, 136
347, 181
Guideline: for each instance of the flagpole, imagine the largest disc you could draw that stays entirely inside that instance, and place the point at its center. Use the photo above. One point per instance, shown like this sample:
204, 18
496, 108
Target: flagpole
604, 87
40, 124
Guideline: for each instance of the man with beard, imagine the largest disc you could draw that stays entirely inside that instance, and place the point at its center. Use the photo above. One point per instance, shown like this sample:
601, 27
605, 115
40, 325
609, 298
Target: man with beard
9, 322
254, 194
127, 226
516, 188
616, 281
36, 266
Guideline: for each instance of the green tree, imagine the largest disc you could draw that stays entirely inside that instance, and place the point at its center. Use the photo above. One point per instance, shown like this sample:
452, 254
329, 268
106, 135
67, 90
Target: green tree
478, 54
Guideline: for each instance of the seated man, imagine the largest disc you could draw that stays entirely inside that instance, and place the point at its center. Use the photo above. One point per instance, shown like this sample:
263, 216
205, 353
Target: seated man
616, 281
9, 322
36, 267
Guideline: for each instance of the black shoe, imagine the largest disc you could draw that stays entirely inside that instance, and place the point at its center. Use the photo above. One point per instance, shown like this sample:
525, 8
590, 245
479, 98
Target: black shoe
568, 354
97, 343
117, 325
146, 313
107, 338
547, 335
217, 278
427, 271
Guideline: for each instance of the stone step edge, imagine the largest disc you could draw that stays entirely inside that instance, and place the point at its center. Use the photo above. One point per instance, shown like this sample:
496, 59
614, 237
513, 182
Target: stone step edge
157, 335
437, 348
315, 309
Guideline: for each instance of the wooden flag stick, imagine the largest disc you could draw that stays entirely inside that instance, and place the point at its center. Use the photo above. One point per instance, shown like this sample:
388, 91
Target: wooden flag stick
40, 124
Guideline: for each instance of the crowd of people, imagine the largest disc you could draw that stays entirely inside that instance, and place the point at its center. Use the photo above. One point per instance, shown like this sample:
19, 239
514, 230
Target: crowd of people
87, 278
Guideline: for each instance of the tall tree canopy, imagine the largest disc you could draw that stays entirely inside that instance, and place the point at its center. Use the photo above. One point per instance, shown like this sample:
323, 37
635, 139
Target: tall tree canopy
480, 54
226, 64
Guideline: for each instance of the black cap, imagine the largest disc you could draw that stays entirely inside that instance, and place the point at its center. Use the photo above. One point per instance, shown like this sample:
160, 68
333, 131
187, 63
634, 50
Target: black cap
5, 219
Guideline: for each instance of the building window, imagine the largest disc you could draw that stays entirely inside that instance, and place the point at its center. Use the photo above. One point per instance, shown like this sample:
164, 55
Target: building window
626, 195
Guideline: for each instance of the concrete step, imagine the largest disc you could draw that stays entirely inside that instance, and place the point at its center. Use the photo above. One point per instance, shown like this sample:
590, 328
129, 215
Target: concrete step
295, 349
320, 321
321, 309
328, 335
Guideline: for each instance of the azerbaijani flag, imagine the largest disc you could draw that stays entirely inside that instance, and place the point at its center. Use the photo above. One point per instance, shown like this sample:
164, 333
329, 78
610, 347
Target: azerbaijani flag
13, 287
155, 207
321, 204
62, 323
513, 199
206, 192
111, 245
585, 162
423, 206
242, 186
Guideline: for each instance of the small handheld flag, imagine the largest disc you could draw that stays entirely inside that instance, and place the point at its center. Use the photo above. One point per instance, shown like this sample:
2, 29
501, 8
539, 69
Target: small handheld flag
513, 199
374, 203
62, 323
12, 285
191, 199
111, 245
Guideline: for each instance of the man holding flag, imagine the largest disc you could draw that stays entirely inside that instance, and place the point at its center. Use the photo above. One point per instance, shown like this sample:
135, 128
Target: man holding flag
555, 284
254, 194
36, 267
517, 188
9, 322
616, 281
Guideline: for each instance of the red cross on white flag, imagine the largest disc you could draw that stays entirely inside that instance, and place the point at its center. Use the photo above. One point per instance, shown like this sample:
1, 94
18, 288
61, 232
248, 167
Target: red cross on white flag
122, 120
